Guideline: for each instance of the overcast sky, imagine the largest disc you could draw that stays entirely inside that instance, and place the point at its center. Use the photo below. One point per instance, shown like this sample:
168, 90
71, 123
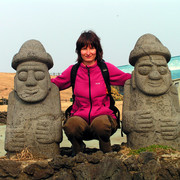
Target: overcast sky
57, 24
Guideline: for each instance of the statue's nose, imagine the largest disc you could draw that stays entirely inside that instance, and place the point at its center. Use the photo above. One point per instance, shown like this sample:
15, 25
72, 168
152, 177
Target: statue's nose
154, 74
31, 81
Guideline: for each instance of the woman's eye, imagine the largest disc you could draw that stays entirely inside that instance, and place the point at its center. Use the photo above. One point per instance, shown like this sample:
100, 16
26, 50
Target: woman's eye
84, 48
144, 70
162, 70
39, 75
22, 76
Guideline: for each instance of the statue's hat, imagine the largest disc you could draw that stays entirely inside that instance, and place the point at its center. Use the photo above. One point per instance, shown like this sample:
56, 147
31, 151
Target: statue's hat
146, 45
32, 50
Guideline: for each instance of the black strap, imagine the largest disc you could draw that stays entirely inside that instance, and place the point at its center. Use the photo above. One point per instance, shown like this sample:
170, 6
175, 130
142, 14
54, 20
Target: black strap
105, 74
73, 77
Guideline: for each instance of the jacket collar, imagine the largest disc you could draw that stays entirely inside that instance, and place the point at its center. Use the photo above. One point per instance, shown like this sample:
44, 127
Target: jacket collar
89, 66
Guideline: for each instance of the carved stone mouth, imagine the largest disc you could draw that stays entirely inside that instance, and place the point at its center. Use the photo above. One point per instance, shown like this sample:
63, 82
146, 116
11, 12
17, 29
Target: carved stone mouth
155, 83
30, 92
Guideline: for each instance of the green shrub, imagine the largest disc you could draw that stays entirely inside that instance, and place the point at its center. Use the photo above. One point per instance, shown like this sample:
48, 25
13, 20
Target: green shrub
152, 148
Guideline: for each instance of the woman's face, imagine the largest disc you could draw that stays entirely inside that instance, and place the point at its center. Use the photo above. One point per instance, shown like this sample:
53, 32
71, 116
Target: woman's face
88, 54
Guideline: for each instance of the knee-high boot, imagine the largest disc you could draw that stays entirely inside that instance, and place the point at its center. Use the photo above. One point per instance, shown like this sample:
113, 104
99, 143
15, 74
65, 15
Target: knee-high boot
105, 146
77, 146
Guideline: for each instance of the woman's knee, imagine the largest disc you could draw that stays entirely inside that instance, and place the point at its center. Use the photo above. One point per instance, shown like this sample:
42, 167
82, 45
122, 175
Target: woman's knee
101, 126
74, 126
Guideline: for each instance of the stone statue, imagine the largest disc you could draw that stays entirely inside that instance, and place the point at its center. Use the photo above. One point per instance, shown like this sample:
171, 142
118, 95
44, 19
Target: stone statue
151, 108
33, 119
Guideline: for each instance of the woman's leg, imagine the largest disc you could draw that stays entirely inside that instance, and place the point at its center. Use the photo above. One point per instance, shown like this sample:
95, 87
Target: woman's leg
74, 129
102, 128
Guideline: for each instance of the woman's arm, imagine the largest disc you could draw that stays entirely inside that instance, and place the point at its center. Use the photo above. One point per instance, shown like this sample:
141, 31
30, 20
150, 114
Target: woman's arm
63, 81
117, 77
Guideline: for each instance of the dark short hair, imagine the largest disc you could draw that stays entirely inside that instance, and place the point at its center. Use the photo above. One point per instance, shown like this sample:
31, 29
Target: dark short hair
89, 38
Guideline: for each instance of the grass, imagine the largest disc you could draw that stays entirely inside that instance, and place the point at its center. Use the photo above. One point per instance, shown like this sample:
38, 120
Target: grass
160, 149
24, 155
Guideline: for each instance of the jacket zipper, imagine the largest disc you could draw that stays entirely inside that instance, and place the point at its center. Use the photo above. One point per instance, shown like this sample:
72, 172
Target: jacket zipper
89, 94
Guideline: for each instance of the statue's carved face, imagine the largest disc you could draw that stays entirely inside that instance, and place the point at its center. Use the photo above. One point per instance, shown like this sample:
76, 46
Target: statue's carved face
152, 75
32, 81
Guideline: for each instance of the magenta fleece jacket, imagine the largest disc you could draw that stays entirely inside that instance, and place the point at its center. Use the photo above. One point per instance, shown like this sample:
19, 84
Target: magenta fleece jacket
90, 91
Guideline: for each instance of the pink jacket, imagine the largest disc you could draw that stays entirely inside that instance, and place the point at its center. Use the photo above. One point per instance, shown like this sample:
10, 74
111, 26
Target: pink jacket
90, 91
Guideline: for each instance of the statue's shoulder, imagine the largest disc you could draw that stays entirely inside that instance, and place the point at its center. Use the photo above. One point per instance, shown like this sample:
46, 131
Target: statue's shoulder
11, 95
173, 90
54, 87
128, 82
54, 92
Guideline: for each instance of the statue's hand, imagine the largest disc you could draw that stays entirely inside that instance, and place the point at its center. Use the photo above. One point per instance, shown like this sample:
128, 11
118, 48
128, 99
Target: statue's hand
16, 139
169, 129
143, 121
44, 132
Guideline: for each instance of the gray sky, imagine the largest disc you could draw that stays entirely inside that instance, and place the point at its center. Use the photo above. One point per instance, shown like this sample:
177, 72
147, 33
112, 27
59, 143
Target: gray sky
57, 24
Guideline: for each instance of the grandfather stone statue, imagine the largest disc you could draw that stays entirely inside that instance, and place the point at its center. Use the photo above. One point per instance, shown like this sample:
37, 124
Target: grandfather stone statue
33, 119
151, 107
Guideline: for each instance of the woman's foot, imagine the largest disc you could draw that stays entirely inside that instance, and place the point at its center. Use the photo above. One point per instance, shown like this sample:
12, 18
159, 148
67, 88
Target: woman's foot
78, 147
105, 146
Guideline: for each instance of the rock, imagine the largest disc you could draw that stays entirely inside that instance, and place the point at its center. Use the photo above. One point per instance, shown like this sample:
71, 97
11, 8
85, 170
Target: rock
97, 165
3, 117
39, 170
95, 158
64, 174
62, 162
131, 163
9, 168
112, 168
145, 157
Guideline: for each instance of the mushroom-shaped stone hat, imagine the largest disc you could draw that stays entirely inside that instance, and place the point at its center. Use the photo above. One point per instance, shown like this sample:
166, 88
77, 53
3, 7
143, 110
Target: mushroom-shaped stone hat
146, 45
32, 50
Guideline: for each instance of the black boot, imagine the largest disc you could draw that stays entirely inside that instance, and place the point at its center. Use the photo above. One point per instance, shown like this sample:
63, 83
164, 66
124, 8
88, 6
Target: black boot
77, 146
105, 146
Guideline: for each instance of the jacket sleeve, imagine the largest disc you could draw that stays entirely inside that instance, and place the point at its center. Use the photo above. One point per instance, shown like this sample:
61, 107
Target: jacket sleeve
117, 77
63, 81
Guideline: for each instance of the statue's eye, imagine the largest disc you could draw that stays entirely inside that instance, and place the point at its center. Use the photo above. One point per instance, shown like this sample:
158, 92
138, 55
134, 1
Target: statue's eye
144, 70
39, 75
22, 76
162, 70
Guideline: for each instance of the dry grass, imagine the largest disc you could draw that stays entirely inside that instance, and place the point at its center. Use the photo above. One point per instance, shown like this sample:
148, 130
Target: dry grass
24, 155
125, 150
7, 84
3, 108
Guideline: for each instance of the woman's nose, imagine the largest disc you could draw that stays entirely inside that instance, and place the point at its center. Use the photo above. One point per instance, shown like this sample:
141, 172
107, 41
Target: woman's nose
87, 51
31, 81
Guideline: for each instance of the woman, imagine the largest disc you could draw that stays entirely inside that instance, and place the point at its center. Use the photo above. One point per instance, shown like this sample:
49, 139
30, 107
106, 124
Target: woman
91, 117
